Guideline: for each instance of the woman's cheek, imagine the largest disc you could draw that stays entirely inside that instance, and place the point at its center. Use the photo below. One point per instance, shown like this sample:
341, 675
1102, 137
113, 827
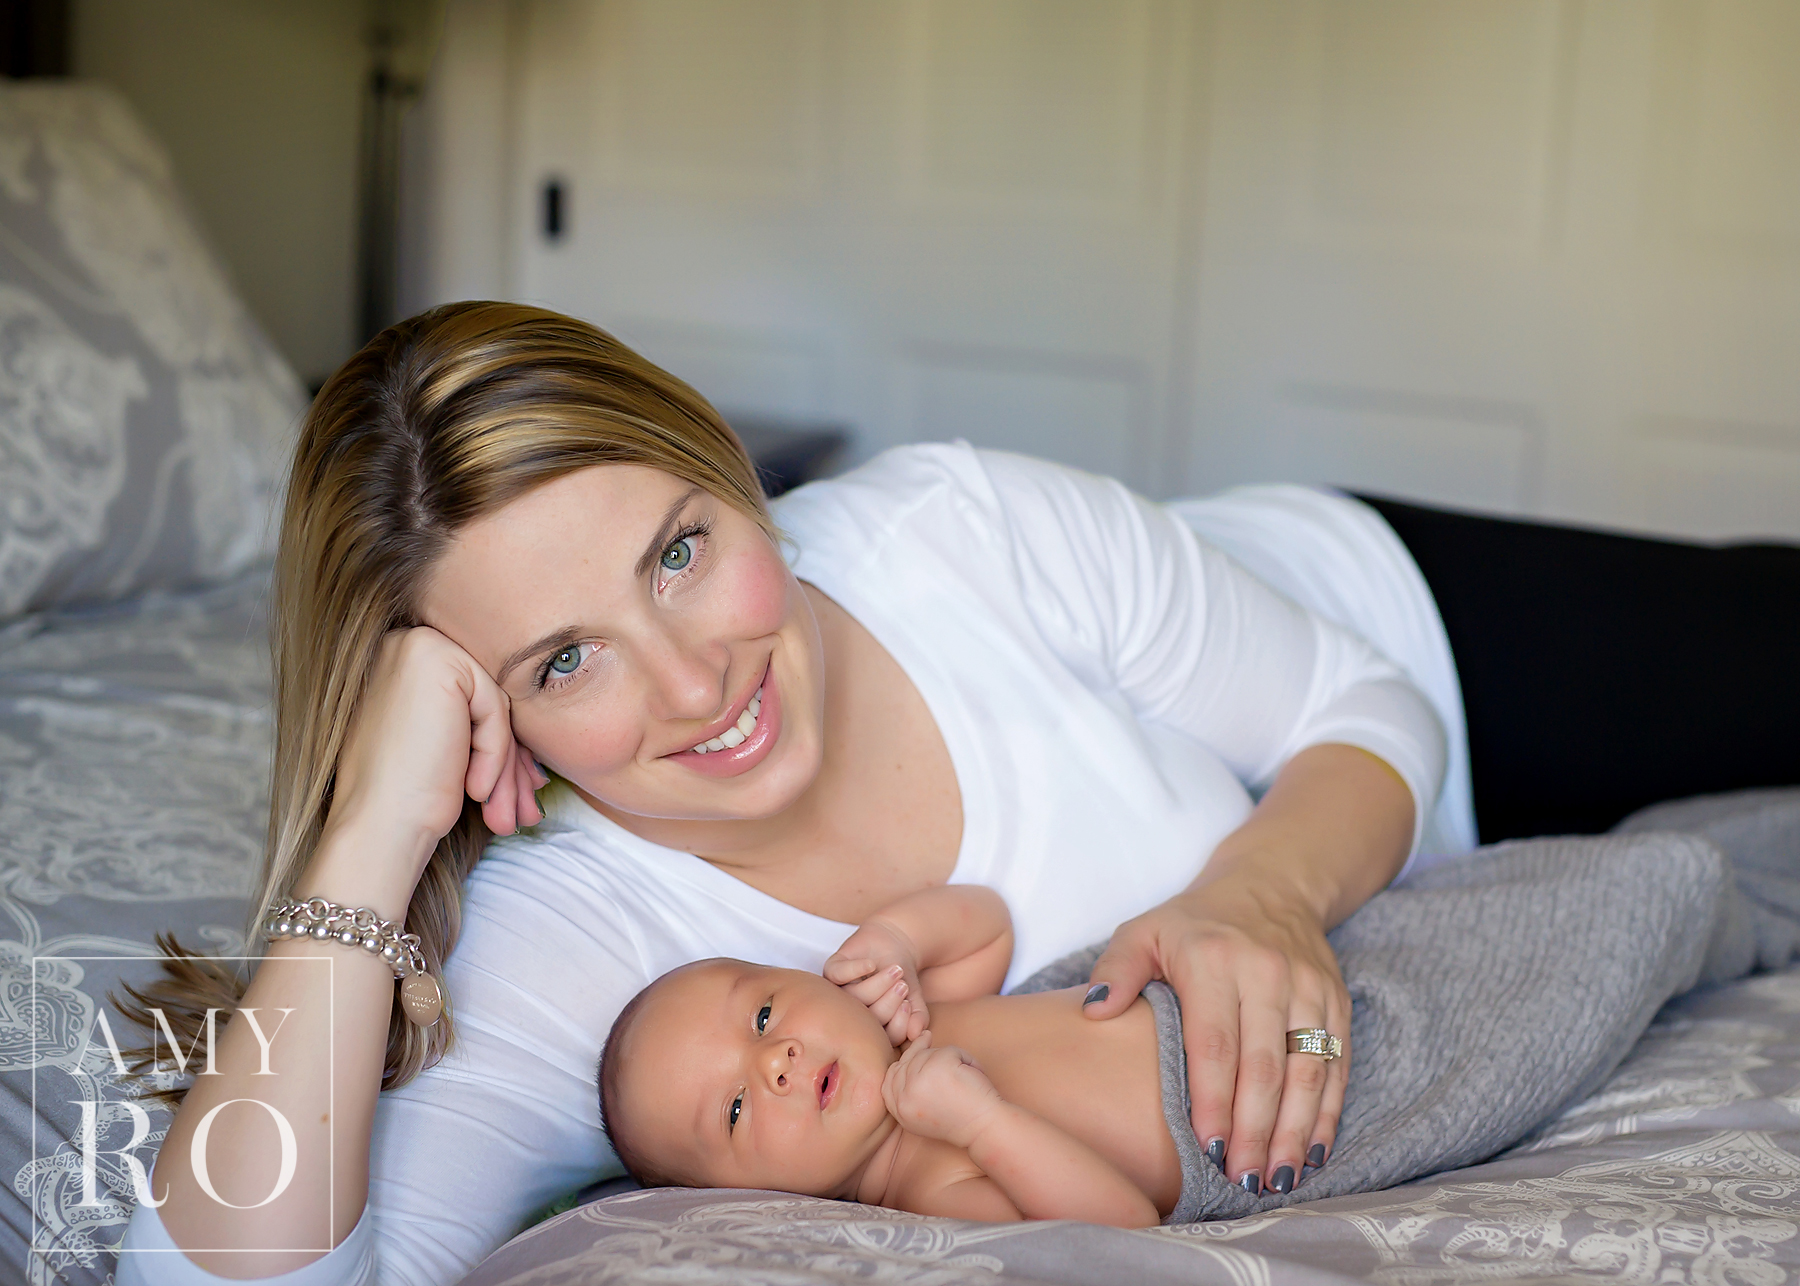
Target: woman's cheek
584, 747
759, 602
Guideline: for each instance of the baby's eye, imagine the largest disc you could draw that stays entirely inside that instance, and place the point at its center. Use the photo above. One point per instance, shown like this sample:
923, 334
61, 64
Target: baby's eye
737, 1109
762, 1019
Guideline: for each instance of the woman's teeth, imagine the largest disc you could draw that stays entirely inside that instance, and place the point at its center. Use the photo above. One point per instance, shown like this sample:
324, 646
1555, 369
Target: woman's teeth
734, 735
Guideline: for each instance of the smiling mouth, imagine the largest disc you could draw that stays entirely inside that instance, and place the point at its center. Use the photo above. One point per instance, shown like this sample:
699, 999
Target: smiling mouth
736, 734
828, 1085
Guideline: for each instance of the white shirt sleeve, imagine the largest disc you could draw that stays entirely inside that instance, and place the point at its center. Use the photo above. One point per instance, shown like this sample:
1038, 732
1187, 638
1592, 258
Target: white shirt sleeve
1135, 602
150, 1257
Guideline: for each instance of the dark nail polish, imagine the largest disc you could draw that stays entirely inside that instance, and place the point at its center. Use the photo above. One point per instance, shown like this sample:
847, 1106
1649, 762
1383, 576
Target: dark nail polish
1283, 1180
1251, 1183
1095, 994
1215, 1152
1315, 1155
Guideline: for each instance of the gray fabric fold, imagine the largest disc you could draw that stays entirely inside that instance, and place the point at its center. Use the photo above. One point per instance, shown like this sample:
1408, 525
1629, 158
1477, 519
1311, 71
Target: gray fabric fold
1490, 990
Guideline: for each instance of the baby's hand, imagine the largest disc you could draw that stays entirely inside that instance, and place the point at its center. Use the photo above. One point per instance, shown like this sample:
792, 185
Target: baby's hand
877, 965
939, 1093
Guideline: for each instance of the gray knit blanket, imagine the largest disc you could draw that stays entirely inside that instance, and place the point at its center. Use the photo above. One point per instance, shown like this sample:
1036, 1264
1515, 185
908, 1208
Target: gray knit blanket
1491, 990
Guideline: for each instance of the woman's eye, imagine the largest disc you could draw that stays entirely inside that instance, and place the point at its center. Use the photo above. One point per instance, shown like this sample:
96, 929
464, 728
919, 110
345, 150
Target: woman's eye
762, 1019
737, 1110
560, 669
567, 661
679, 555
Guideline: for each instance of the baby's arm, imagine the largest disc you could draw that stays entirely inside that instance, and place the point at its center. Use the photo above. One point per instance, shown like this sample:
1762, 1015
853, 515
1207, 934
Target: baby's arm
1030, 1168
952, 942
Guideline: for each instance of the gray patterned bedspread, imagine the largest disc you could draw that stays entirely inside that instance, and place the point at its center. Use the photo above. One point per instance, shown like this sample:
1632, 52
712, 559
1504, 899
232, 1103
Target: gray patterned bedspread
133, 756
1685, 1167
134, 748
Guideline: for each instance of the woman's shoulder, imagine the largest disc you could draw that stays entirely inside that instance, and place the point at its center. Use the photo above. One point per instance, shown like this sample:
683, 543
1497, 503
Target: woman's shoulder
885, 485
940, 486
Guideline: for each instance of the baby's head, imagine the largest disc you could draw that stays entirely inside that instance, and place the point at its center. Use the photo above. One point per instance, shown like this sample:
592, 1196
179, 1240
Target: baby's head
722, 1074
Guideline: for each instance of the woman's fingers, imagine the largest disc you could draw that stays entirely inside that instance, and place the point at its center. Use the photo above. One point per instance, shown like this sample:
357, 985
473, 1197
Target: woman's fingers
490, 731
1209, 1031
1261, 1073
1303, 1090
526, 809
530, 782
1337, 1077
1120, 973
502, 774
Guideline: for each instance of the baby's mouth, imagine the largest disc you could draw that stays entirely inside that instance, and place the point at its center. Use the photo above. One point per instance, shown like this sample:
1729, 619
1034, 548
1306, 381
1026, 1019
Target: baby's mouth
828, 1085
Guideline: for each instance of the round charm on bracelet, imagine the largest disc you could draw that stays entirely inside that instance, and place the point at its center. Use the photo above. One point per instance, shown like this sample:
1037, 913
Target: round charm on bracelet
421, 1000
421, 996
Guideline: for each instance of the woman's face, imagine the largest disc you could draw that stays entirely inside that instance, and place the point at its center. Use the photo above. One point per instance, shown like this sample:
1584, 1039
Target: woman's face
632, 617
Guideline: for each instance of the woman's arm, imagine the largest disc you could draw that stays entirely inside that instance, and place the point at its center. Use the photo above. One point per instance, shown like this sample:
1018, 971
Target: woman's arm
951, 942
1351, 752
288, 1106
1244, 947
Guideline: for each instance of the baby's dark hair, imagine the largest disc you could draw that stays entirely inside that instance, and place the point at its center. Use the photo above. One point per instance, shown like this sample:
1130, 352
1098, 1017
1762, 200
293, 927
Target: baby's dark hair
618, 1127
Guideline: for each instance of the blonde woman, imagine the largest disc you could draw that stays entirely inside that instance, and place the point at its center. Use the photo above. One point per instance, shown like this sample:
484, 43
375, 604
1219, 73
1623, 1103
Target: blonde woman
518, 558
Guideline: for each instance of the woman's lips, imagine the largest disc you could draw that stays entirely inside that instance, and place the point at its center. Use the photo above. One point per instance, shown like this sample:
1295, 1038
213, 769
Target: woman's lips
754, 748
829, 1080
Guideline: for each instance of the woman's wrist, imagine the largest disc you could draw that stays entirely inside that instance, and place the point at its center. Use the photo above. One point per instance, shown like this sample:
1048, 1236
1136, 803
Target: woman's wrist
1271, 883
358, 865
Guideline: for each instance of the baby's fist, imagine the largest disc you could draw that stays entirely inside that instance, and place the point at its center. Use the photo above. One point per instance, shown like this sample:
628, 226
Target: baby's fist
940, 1093
877, 965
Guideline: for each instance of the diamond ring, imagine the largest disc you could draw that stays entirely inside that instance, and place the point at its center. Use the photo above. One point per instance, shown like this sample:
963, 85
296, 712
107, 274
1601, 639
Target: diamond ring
1315, 1040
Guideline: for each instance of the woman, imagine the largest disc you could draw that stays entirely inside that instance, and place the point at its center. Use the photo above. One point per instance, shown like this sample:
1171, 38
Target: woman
514, 550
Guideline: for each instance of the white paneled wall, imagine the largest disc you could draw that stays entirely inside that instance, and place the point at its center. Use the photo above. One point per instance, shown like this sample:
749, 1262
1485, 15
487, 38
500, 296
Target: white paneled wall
1535, 256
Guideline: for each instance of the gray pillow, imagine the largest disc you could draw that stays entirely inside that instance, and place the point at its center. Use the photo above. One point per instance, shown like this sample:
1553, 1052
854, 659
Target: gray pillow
144, 419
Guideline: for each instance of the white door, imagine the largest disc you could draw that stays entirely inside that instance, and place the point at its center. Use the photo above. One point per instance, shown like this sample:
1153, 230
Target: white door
1534, 256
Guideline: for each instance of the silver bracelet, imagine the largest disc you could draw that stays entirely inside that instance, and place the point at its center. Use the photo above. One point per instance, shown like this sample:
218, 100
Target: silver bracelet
421, 999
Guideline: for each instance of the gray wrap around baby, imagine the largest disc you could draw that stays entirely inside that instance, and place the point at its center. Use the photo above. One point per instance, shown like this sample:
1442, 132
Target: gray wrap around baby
1491, 990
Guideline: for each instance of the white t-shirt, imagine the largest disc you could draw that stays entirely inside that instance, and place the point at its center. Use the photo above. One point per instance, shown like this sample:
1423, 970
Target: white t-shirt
1110, 689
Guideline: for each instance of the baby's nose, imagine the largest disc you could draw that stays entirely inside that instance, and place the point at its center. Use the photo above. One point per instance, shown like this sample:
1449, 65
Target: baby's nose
780, 1065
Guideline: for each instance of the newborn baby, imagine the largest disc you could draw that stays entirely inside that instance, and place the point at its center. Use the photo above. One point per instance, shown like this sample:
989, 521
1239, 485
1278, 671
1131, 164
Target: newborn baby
723, 1074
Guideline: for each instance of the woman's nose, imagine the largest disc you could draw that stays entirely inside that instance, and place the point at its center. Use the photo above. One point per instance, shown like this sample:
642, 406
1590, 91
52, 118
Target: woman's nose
781, 1063
687, 679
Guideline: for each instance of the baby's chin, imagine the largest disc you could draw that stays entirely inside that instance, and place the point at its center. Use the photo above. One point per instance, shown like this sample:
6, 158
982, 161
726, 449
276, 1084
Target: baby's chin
836, 1178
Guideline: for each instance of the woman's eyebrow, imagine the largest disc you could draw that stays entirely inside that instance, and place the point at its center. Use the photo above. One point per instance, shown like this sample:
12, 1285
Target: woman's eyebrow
559, 638
664, 533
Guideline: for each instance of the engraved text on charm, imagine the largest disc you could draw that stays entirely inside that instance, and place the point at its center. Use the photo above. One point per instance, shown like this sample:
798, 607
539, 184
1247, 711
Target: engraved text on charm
421, 999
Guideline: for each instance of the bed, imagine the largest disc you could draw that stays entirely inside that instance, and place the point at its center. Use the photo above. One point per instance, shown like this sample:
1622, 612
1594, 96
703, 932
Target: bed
142, 419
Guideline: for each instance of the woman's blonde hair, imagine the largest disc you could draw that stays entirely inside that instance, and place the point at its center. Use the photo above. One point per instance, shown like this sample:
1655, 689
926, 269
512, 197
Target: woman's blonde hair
438, 421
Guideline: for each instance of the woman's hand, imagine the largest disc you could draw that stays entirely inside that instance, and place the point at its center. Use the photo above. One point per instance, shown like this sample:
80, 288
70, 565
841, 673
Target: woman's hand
879, 965
1244, 947
430, 727
1249, 967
